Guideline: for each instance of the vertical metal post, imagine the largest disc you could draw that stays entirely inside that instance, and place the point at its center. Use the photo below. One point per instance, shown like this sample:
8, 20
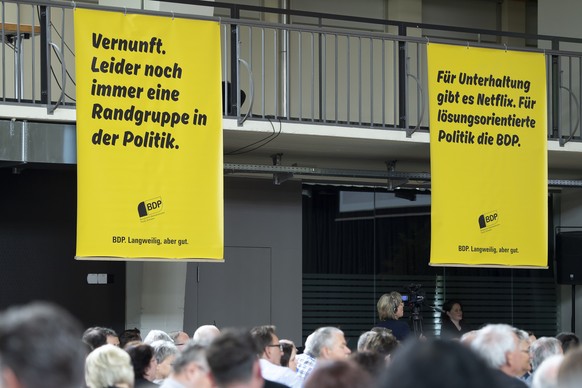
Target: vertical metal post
235, 14
402, 79
44, 56
573, 321
320, 72
555, 91
285, 63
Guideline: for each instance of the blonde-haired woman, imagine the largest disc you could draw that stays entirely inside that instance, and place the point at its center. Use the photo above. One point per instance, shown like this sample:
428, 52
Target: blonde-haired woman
108, 366
390, 309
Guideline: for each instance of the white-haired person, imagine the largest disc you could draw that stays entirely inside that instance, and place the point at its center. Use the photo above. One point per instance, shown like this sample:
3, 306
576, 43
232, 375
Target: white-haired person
500, 347
156, 335
108, 366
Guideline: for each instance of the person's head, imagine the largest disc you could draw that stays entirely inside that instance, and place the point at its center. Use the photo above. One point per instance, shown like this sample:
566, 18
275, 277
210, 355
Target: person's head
289, 353
111, 336
205, 334
452, 310
191, 367
165, 352
363, 339
180, 338
372, 362
569, 341
329, 343
267, 343
143, 361
338, 374
437, 364
232, 358
94, 337
546, 373
129, 335
155, 335
499, 347
40, 346
108, 366
542, 348
308, 344
390, 306
570, 372
380, 341
524, 352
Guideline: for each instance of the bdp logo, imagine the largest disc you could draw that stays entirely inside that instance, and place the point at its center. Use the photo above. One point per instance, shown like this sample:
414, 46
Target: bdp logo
150, 207
488, 220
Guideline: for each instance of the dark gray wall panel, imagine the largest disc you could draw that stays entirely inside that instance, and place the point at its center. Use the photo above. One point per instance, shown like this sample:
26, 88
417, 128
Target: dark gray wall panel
37, 249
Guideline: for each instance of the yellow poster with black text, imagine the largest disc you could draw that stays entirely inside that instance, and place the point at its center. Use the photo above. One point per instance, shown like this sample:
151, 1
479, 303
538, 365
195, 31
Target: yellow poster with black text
488, 125
149, 137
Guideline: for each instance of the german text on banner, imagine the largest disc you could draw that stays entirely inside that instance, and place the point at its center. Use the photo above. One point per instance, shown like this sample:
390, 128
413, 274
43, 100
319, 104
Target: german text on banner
488, 151
149, 137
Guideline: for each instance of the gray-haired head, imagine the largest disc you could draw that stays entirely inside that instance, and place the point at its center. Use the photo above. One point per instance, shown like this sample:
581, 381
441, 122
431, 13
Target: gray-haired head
323, 338
543, 348
155, 335
191, 353
522, 335
164, 349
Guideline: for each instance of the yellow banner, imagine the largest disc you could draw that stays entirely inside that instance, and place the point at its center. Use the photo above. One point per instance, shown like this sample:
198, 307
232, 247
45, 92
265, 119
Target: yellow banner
149, 137
488, 129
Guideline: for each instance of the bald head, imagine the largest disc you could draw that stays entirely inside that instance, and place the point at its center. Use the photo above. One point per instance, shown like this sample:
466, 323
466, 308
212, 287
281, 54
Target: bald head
205, 334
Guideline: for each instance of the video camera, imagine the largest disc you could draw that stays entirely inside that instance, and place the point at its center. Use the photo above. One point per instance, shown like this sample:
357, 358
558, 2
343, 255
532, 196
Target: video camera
414, 295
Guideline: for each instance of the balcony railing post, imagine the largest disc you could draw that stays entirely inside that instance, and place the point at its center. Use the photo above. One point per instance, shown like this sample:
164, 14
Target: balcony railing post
44, 65
402, 103
555, 91
234, 84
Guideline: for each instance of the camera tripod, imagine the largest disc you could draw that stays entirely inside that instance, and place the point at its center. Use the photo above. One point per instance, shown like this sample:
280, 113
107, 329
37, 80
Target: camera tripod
416, 319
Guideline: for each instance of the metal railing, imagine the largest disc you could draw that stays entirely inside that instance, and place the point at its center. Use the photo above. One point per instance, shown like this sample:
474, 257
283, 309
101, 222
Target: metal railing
372, 74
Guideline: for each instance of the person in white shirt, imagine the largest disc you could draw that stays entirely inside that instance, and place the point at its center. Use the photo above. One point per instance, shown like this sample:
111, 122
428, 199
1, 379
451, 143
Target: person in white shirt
270, 351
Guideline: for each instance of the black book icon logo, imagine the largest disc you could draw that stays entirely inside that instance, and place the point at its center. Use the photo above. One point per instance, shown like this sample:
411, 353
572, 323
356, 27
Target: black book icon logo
482, 223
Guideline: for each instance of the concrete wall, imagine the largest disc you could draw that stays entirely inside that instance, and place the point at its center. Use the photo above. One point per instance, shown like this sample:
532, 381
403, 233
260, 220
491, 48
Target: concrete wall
263, 229
560, 18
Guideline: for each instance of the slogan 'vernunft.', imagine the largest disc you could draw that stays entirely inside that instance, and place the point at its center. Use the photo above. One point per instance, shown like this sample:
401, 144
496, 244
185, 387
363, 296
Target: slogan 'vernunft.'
149, 137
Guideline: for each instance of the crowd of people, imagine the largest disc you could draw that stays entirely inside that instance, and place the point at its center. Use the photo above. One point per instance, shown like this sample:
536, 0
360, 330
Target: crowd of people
42, 345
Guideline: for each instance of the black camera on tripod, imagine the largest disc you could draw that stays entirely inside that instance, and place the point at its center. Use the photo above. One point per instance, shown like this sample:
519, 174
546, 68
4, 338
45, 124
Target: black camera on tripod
414, 295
